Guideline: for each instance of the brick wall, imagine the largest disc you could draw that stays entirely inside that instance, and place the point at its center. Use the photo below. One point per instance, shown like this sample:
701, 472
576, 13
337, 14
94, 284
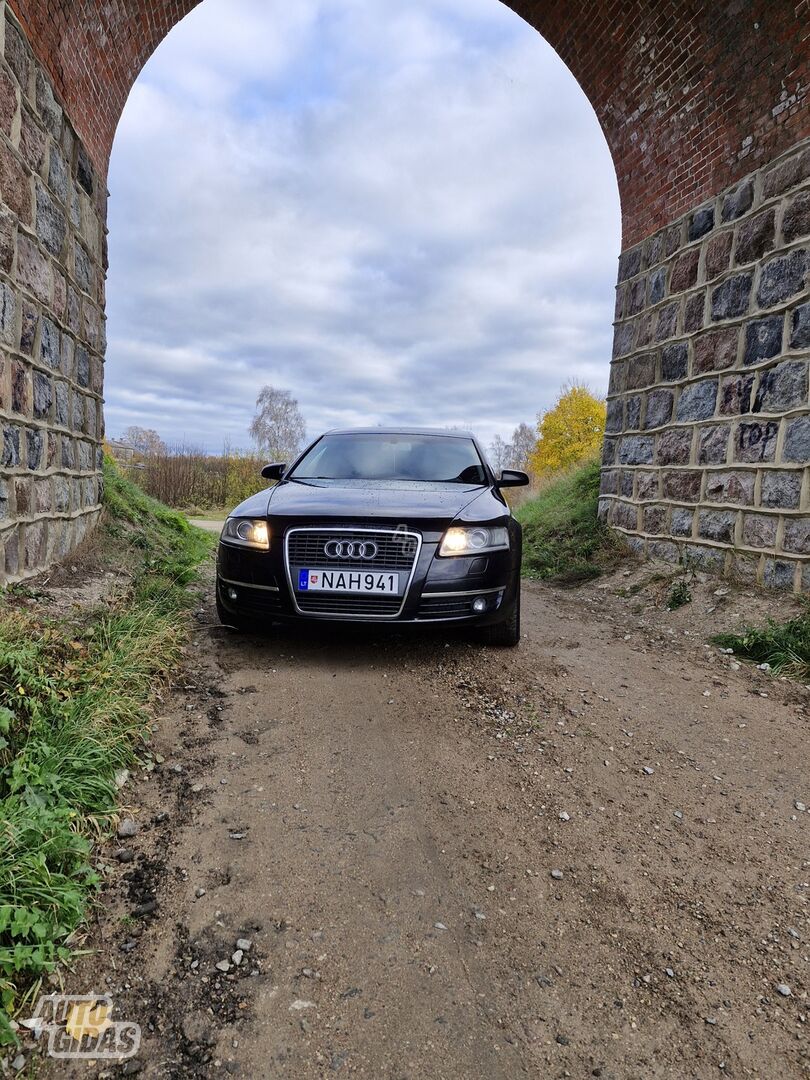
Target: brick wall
708, 432
688, 95
52, 243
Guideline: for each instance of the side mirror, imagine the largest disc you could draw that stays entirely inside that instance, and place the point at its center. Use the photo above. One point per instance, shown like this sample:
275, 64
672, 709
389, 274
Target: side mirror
275, 471
513, 478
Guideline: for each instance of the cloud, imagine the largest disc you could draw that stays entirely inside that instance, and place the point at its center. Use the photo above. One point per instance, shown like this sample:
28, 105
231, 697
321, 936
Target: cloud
399, 214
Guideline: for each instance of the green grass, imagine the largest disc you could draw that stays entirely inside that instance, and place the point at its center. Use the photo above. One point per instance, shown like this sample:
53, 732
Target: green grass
212, 515
563, 539
76, 698
785, 646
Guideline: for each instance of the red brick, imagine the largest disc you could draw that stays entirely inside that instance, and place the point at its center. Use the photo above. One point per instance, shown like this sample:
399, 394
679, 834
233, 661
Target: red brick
701, 85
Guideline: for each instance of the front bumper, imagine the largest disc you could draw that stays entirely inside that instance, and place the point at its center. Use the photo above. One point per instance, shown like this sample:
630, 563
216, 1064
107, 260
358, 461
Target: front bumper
256, 586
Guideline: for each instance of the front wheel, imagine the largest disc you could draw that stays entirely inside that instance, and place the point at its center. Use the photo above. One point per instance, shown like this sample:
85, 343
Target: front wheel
504, 634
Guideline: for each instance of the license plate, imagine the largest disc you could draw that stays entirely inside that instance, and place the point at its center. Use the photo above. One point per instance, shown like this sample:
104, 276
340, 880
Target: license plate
348, 581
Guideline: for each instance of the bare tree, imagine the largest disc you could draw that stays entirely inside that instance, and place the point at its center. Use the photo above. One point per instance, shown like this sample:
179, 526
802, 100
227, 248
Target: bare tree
278, 427
524, 438
499, 454
144, 440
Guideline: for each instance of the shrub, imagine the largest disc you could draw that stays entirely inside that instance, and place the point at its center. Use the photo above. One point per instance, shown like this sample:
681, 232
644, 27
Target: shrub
185, 477
679, 594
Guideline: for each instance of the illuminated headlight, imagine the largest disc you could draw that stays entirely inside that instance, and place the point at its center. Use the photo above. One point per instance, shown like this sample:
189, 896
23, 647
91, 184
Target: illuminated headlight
248, 532
472, 541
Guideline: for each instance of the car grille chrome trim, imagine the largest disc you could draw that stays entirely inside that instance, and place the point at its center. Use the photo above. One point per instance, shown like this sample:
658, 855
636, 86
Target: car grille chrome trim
466, 592
436, 606
302, 548
249, 585
255, 601
433, 609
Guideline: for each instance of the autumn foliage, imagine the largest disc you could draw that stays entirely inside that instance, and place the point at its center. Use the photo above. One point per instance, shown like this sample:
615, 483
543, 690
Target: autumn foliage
569, 432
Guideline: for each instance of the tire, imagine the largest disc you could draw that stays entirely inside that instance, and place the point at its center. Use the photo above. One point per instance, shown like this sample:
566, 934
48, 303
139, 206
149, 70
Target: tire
236, 622
506, 634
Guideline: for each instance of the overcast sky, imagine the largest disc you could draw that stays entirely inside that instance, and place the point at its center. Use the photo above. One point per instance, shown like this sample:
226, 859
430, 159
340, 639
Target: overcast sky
398, 212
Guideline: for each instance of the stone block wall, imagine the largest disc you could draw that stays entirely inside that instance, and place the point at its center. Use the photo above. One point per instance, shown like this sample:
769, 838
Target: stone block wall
52, 337
708, 429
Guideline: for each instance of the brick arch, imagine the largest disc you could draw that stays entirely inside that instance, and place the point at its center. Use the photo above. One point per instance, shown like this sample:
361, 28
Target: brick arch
687, 95
705, 109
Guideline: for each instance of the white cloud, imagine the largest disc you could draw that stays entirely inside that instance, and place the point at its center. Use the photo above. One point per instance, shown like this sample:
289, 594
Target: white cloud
398, 214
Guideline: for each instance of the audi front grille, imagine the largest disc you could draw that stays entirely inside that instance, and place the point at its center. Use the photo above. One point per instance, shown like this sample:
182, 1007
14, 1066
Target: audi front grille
377, 550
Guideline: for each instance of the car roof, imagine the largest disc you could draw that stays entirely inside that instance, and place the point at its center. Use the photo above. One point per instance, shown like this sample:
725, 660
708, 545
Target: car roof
453, 434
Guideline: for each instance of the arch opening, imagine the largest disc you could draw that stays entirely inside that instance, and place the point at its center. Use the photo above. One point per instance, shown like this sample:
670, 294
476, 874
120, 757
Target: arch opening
400, 218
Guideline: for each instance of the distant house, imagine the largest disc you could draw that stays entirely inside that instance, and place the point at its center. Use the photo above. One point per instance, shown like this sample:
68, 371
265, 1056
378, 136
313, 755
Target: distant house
123, 453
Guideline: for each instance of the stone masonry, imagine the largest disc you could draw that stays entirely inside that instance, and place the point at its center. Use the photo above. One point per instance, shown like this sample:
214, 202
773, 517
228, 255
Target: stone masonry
708, 430
708, 427
52, 255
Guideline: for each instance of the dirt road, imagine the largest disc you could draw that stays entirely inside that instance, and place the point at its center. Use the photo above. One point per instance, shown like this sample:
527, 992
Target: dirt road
579, 858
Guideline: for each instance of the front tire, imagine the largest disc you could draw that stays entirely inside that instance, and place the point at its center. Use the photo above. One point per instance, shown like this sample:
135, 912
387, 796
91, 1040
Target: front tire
506, 634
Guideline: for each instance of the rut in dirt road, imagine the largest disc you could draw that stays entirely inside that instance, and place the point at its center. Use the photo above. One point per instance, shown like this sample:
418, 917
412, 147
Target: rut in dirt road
578, 858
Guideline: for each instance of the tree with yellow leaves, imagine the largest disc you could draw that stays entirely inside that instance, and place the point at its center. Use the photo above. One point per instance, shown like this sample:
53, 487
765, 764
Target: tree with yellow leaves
569, 432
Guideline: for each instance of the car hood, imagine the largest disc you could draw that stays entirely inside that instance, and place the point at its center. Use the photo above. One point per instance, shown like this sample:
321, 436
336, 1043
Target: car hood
389, 501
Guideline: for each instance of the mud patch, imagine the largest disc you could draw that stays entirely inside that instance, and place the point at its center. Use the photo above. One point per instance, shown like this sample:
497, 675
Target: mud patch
142, 885
202, 1007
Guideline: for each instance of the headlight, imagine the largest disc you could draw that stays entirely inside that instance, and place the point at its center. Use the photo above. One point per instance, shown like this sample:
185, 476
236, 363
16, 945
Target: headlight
471, 541
248, 532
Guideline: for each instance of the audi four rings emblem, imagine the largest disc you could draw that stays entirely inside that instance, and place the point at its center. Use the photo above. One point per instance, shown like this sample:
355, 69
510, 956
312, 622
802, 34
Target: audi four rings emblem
351, 549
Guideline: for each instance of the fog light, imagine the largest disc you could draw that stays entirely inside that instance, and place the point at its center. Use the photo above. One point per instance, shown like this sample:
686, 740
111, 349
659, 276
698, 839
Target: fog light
479, 605
232, 594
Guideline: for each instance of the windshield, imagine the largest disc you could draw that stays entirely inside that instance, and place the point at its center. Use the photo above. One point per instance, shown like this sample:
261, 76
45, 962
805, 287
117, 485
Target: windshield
371, 456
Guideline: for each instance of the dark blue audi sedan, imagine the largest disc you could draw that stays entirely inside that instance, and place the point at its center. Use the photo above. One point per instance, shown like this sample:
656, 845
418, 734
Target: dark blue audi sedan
383, 525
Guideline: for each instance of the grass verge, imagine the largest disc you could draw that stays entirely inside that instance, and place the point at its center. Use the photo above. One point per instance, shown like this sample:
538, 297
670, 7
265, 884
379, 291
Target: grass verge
563, 538
76, 693
784, 646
